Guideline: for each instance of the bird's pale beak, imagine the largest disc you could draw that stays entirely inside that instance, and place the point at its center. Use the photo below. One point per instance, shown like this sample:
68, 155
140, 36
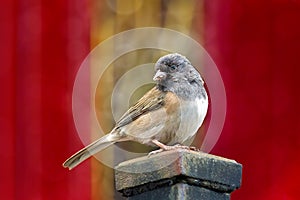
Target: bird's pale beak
159, 76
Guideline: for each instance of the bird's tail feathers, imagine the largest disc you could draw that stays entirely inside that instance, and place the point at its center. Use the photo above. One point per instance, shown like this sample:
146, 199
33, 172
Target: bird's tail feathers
93, 148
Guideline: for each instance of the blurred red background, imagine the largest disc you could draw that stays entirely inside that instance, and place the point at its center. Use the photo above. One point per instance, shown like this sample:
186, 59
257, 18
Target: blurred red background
255, 44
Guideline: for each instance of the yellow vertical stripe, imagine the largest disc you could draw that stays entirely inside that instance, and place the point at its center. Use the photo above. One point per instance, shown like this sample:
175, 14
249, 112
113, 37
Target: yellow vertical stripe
114, 16
102, 27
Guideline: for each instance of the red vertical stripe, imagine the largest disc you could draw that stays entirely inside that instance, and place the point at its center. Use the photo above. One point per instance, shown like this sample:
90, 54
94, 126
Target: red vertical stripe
28, 100
65, 44
42, 46
78, 31
7, 99
256, 46
54, 99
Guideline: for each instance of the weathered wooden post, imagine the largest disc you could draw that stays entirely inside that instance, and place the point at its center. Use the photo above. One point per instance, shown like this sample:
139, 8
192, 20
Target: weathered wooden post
178, 174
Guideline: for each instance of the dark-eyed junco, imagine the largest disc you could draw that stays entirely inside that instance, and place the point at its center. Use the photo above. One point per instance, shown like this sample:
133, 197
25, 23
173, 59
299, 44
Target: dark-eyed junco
170, 113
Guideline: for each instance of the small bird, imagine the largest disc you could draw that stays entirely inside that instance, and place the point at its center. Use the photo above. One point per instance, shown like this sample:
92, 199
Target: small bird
168, 114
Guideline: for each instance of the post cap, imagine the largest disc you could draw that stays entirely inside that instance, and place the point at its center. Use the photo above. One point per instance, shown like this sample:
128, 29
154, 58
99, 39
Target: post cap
178, 166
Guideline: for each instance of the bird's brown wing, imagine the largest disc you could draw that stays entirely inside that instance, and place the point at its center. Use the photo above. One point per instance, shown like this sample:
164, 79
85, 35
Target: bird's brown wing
152, 100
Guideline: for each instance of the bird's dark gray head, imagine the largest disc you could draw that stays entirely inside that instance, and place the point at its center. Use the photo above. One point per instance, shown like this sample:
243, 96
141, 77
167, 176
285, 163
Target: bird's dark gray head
172, 63
174, 72
175, 67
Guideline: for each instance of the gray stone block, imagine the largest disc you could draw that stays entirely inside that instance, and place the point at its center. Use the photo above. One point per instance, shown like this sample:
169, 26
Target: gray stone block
176, 173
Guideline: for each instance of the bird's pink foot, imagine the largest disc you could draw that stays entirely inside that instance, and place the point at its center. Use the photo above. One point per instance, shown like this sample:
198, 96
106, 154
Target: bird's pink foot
164, 147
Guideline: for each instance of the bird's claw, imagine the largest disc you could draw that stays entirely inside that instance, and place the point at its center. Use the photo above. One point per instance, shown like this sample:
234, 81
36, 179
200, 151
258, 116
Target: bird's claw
155, 152
168, 148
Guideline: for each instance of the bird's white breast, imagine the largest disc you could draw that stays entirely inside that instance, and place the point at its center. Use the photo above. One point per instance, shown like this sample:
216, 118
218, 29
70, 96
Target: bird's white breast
192, 117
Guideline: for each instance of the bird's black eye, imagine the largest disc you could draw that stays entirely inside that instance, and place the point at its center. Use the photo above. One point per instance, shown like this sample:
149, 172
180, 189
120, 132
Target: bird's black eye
173, 67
